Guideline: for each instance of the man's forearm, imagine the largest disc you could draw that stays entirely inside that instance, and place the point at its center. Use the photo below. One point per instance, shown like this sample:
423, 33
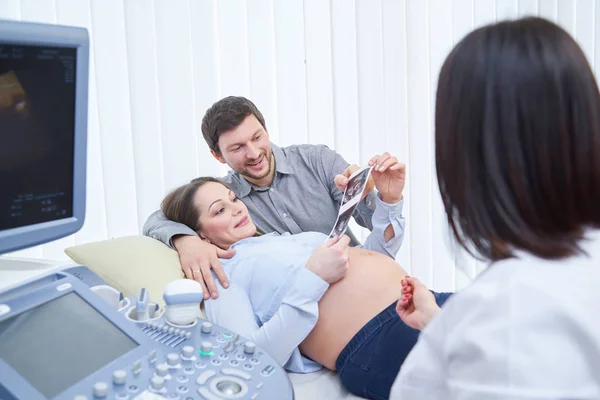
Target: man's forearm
164, 230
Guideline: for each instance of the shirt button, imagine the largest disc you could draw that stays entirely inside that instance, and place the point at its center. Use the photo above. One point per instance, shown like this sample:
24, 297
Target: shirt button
271, 190
284, 215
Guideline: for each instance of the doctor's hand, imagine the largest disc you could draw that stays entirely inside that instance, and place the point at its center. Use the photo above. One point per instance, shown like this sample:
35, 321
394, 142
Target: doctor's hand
389, 176
341, 180
197, 259
417, 306
330, 260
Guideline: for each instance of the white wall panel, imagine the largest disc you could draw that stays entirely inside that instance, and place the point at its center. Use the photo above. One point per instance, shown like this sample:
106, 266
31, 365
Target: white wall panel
395, 98
140, 38
371, 97
319, 82
357, 75
175, 85
233, 48
548, 9
345, 78
291, 71
420, 128
585, 27
263, 77
206, 76
444, 32
78, 13
114, 104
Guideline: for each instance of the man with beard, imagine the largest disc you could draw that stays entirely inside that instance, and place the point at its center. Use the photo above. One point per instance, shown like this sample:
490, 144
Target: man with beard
289, 189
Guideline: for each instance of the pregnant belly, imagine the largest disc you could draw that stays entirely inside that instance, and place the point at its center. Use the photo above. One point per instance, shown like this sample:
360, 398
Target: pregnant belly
371, 284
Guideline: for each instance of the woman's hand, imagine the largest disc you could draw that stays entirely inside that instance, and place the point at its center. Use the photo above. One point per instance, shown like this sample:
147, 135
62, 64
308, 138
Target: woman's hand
329, 261
389, 176
417, 305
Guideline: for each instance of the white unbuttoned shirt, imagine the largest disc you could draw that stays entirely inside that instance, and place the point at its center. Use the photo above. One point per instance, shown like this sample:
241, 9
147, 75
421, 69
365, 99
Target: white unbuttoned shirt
526, 328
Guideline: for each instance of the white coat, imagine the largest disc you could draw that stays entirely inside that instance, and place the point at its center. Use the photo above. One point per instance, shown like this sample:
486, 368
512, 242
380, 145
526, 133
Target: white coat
526, 328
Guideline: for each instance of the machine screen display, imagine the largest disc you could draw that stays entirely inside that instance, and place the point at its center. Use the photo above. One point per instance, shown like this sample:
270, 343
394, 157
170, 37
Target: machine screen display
37, 134
58, 343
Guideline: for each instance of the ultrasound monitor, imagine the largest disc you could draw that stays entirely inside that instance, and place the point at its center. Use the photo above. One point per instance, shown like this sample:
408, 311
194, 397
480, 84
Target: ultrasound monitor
43, 131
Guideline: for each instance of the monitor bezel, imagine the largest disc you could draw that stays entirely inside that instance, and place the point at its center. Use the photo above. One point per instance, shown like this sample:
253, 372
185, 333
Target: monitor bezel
35, 34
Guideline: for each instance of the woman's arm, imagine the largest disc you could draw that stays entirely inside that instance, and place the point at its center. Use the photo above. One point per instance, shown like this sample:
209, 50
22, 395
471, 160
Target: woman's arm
281, 335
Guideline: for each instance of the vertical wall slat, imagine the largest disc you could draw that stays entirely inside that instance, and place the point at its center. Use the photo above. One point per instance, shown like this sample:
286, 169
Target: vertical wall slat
175, 85
263, 77
206, 77
291, 72
370, 79
548, 9
585, 28
566, 15
145, 106
396, 100
528, 8
440, 43
420, 131
234, 68
319, 82
345, 78
79, 13
112, 80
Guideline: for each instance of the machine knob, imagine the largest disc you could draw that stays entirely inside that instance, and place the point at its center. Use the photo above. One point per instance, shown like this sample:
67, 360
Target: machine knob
206, 327
206, 347
119, 377
249, 347
187, 352
100, 389
157, 383
172, 359
162, 370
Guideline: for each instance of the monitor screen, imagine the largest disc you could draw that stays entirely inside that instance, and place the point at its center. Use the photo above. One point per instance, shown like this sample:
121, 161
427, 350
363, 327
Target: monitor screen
37, 108
43, 132
58, 343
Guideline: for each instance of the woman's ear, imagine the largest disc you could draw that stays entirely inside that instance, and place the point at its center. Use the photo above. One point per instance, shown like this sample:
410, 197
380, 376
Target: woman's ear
204, 238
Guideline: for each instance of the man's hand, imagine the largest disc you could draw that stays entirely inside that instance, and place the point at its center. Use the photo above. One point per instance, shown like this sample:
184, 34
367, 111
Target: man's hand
341, 180
330, 260
417, 305
389, 176
197, 259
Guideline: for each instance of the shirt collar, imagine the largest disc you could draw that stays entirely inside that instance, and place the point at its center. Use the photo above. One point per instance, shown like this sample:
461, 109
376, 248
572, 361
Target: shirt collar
242, 187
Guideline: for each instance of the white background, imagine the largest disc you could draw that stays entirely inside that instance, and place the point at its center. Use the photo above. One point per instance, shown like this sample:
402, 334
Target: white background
357, 75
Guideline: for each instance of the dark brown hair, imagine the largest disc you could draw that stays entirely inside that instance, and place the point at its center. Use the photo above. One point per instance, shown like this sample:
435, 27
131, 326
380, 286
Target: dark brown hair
225, 115
517, 136
179, 205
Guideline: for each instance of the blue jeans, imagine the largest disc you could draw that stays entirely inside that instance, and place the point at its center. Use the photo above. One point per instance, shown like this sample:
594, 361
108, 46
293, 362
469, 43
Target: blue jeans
370, 362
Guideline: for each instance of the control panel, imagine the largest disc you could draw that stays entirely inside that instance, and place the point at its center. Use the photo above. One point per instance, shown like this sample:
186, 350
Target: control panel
60, 340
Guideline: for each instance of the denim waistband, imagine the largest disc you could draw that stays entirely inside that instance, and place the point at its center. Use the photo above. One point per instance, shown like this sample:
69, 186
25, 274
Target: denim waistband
371, 328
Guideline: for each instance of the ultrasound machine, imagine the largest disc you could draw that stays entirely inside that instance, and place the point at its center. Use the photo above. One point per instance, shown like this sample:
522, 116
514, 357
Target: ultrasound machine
66, 334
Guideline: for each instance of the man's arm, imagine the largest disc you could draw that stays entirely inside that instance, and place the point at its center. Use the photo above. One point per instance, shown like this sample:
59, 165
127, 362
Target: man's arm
332, 164
197, 257
388, 229
158, 227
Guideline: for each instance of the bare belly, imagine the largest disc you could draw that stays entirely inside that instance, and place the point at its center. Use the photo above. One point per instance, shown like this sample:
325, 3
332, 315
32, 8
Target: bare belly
371, 284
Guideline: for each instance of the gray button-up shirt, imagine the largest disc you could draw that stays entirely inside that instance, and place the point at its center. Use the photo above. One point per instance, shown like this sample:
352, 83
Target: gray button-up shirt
302, 198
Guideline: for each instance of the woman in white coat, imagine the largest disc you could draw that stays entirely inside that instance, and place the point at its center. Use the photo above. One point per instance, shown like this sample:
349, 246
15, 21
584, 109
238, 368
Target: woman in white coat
517, 130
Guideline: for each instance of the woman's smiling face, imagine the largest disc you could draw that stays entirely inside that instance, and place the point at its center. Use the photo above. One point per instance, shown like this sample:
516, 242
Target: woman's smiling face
224, 219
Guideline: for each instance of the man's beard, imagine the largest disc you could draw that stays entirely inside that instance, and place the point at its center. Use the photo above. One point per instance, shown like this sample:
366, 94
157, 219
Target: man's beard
267, 160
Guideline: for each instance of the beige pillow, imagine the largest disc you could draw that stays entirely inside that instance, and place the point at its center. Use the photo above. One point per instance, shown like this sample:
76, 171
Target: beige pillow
130, 263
